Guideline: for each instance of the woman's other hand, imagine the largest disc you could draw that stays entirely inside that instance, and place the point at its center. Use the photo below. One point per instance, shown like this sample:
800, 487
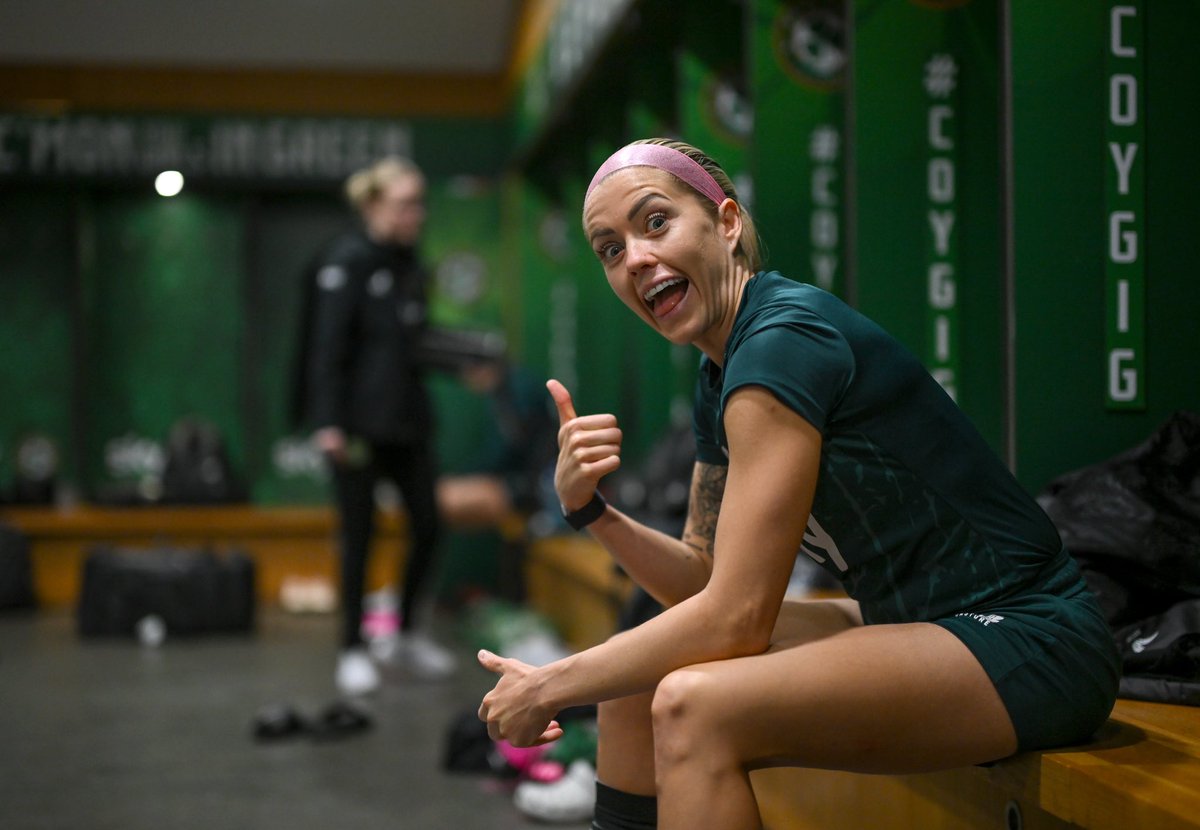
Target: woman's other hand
510, 710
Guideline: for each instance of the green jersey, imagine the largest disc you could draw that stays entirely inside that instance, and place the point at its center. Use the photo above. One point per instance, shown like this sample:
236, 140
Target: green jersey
913, 511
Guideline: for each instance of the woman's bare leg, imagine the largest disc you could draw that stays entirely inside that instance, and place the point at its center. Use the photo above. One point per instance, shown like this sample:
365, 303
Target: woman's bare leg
625, 753
883, 698
625, 747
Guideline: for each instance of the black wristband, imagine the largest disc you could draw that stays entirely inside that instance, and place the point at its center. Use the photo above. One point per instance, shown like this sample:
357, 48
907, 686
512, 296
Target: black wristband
587, 514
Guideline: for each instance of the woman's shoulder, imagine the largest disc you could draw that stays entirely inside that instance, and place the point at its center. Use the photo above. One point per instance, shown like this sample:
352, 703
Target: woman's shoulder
773, 300
773, 287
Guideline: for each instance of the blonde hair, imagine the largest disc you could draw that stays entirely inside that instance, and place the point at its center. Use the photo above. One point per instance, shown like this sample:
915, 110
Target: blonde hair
750, 246
367, 184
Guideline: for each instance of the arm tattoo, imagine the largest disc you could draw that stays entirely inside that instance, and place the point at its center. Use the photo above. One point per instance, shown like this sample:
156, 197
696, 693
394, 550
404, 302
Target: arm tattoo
708, 487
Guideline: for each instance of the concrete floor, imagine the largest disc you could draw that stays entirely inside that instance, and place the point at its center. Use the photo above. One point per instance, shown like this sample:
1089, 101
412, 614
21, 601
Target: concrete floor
99, 734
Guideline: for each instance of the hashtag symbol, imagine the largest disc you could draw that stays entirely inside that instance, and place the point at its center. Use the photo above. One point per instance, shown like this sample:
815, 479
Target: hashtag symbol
823, 143
940, 76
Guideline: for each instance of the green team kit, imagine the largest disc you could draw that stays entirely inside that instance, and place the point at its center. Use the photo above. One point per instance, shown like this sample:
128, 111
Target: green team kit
913, 512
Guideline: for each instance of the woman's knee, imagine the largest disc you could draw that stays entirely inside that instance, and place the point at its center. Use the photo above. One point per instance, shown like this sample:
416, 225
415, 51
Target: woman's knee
683, 712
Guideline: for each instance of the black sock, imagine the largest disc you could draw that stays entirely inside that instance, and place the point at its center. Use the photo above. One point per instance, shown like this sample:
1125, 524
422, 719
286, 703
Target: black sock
618, 810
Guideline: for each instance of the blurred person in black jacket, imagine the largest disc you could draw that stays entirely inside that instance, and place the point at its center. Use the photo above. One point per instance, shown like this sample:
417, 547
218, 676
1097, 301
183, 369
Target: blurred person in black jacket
363, 392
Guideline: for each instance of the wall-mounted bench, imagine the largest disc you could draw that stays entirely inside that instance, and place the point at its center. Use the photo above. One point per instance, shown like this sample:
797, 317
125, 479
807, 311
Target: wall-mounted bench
283, 541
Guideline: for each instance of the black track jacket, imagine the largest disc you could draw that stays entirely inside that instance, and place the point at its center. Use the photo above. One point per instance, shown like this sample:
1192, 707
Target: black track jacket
365, 310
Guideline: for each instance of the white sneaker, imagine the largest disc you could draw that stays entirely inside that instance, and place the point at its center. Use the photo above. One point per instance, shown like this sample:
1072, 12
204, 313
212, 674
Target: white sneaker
424, 658
356, 674
383, 649
569, 799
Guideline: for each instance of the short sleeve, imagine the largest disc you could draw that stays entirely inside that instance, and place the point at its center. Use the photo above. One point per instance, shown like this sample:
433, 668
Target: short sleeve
806, 363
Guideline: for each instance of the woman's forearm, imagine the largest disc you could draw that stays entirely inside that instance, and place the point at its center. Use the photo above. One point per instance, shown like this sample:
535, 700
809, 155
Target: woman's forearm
669, 570
636, 660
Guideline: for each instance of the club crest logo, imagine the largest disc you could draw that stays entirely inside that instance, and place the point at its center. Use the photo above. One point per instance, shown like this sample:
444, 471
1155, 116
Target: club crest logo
808, 39
728, 110
462, 277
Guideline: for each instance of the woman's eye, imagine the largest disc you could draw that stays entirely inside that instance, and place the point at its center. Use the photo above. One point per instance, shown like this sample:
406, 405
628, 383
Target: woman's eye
610, 250
656, 222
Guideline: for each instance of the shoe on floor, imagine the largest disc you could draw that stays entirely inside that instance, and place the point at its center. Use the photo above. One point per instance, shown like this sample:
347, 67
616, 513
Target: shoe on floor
277, 720
341, 719
356, 674
423, 658
569, 799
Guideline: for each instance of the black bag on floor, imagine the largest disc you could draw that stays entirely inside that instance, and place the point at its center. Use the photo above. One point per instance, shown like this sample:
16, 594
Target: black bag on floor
467, 745
16, 576
191, 591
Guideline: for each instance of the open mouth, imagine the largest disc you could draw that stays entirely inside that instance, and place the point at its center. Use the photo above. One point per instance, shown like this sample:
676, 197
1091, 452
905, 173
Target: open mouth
663, 297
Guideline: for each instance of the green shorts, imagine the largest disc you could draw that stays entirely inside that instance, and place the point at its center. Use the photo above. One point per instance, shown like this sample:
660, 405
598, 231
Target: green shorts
1051, 656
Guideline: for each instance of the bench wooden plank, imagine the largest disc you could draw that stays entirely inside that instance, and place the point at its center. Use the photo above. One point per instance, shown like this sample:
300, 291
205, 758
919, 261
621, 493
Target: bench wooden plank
283, 541
1143, 771
961, 799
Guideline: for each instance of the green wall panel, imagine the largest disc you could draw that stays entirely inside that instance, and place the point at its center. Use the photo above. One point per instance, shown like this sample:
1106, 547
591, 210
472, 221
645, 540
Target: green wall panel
37, 290
287, 233
1062, 213
540, 229
927, 190
462, 247
163, 320
798, 75
601, 327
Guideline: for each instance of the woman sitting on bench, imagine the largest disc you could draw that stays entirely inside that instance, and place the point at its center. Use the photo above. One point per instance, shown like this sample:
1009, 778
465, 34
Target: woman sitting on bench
969, 633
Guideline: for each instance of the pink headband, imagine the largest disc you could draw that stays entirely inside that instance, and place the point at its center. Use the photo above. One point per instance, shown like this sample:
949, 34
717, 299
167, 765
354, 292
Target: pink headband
664, 158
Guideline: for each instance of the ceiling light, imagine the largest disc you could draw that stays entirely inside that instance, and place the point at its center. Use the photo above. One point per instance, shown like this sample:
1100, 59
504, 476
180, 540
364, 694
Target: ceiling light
169, 183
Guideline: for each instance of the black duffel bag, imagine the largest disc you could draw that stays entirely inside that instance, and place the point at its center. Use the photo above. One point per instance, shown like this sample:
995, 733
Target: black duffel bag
16, 571
190, 591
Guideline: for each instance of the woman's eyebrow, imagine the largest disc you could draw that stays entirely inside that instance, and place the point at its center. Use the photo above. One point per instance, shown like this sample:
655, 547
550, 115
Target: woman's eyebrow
599, 232
640, 203
633, 211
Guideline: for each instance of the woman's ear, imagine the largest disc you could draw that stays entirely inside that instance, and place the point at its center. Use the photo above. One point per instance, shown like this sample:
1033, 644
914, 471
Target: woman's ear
729, 222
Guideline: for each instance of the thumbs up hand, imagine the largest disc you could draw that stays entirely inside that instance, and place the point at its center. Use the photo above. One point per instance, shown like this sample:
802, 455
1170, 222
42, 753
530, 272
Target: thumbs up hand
510, 709
589, 448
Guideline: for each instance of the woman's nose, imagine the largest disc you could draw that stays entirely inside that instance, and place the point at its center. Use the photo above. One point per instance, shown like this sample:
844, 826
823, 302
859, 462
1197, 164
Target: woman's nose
639, 254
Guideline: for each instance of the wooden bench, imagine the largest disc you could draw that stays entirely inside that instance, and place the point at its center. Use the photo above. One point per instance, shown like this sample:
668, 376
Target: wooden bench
1142, 771
284, 542
572, 581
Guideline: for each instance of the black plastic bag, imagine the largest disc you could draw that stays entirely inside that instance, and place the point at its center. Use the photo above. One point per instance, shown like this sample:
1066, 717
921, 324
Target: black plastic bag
468, 747
1133, 521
